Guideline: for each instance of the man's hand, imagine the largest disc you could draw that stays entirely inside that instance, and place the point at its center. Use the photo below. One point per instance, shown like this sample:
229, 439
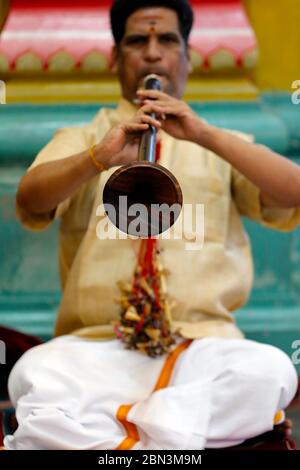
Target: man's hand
177, 118
121, 143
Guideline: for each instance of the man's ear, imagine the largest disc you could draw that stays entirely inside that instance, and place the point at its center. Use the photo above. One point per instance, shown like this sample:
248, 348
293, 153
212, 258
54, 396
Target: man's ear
189, 55
113, 66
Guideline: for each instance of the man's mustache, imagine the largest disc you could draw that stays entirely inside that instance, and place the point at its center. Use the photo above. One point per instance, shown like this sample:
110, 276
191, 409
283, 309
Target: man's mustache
152, 70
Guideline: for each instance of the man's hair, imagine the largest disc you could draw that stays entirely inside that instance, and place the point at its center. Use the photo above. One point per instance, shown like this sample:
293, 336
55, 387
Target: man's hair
122, 9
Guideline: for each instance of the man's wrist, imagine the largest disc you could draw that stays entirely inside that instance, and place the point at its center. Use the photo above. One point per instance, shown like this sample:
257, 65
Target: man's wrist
206, 135
103, 156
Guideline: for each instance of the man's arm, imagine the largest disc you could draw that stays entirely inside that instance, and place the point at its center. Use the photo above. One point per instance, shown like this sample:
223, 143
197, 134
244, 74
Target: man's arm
277, 178
45, 186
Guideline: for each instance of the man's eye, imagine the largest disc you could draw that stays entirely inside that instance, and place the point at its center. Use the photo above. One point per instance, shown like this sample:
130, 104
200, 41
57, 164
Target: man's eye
135, 41
168, 39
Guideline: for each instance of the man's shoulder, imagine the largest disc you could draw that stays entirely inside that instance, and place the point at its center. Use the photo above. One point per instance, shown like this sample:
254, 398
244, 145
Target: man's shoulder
85, 129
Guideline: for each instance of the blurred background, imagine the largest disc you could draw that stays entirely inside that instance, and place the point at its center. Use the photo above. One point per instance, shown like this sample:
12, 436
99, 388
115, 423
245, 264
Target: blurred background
55, 62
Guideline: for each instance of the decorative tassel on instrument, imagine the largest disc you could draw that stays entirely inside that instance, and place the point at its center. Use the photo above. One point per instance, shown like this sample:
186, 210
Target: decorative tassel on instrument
145, 317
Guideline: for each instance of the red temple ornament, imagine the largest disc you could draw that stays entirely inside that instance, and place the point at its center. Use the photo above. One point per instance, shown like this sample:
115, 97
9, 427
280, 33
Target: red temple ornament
63, 36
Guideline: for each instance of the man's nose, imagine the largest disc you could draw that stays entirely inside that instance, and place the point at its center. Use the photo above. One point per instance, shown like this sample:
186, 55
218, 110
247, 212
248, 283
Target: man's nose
153, 51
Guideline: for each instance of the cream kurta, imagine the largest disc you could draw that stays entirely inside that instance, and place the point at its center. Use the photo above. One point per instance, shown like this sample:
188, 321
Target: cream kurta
207, 285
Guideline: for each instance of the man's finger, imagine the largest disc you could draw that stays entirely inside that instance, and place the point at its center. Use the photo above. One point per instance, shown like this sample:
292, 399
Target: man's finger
160, 104
150, 120
139, 126
154, 108
142, 93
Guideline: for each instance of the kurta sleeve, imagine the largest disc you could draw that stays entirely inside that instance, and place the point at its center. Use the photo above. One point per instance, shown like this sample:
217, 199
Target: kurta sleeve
66, 142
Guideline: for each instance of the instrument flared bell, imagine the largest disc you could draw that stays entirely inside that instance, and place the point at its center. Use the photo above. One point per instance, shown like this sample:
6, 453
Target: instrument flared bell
153, 195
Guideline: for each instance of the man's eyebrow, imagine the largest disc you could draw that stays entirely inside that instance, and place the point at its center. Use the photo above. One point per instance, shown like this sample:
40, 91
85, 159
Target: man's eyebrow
132, 38
170, 34
173, 34
136, 35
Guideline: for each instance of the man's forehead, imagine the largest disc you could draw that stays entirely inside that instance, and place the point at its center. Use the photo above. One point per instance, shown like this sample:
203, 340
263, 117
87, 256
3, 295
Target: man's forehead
141, 19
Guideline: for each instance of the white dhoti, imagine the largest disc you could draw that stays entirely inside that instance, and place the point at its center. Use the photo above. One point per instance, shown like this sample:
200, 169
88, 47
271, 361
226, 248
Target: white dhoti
72, 393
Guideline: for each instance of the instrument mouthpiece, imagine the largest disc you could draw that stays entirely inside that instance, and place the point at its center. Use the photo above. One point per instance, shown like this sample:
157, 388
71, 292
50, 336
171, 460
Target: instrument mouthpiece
152, 82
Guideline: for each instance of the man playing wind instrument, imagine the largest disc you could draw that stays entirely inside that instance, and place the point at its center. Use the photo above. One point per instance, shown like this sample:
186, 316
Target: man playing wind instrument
165, 367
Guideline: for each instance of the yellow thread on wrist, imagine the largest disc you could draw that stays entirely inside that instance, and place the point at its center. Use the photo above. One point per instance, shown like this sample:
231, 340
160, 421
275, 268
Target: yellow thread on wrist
99, 165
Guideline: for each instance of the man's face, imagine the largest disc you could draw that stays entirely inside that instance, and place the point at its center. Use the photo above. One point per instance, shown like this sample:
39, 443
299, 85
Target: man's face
152, 43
